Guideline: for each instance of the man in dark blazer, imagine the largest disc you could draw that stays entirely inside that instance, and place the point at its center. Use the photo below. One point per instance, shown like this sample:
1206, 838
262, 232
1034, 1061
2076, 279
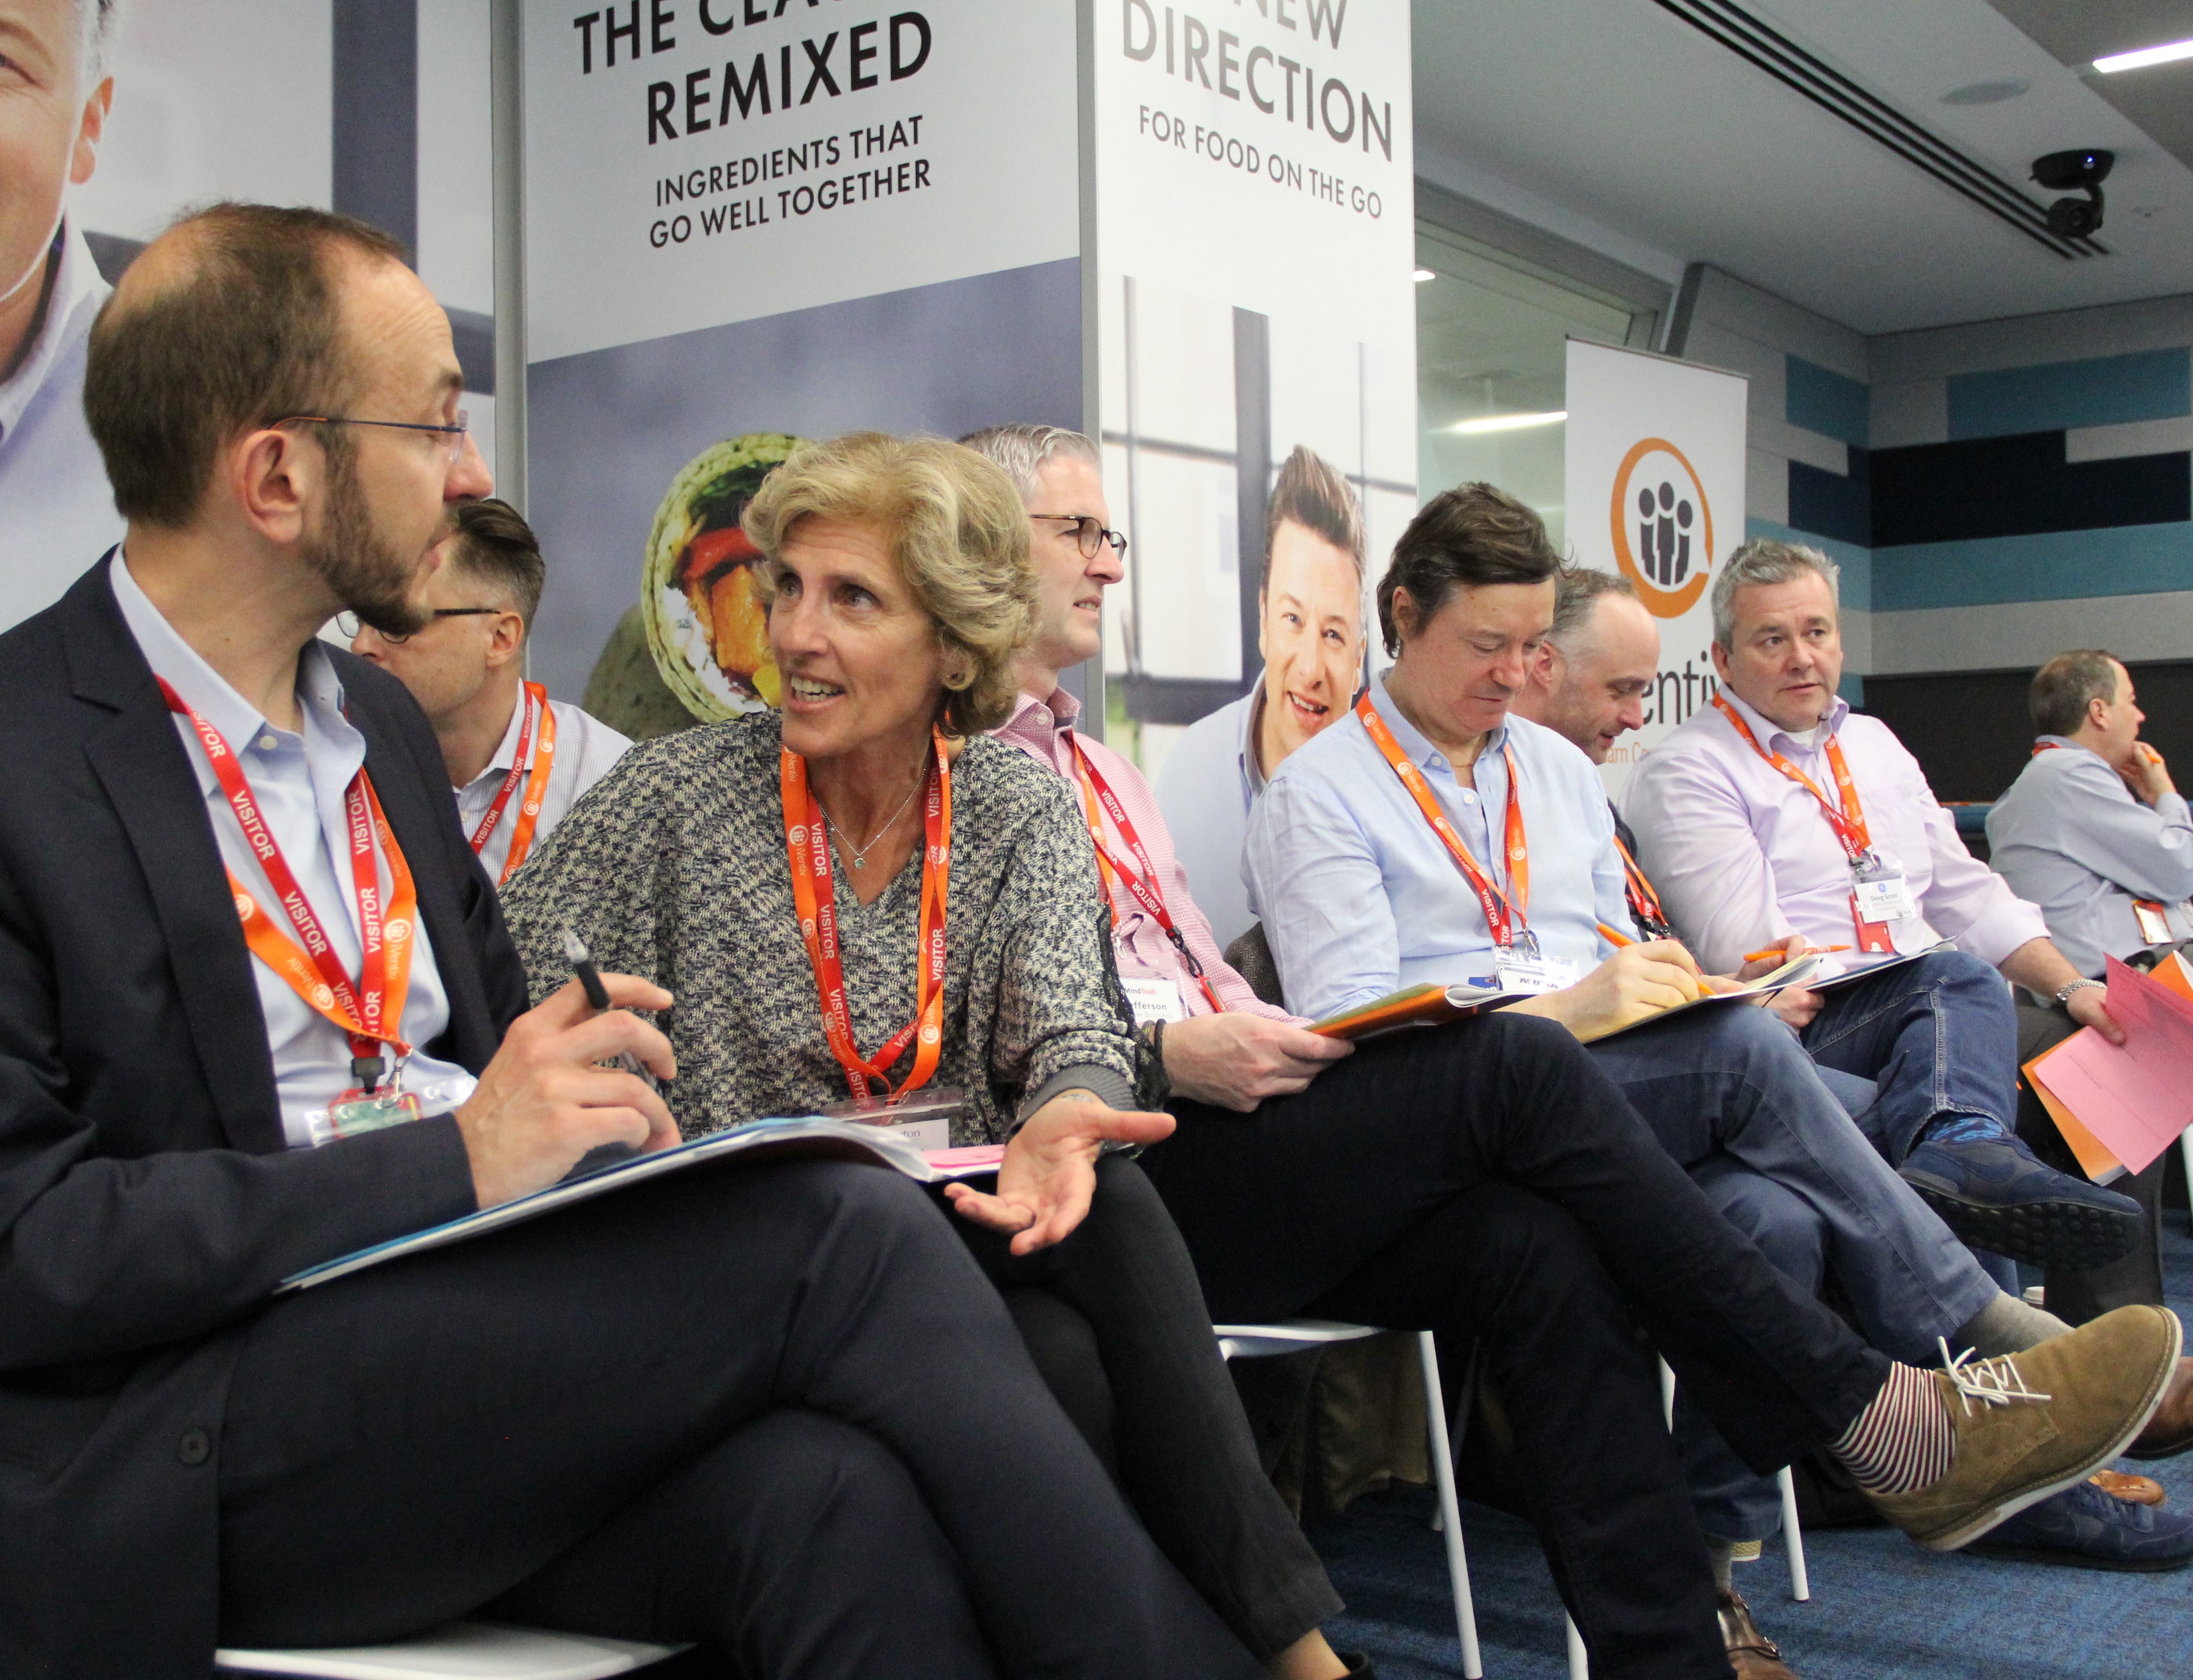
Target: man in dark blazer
773, 1409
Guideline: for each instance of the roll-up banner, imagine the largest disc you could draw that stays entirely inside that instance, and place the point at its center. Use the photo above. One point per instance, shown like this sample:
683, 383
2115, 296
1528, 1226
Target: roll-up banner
748, 223
1255, 236
1655, 491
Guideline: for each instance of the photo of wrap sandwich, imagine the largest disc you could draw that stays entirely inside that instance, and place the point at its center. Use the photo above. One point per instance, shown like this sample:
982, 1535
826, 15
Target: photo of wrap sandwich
706, 626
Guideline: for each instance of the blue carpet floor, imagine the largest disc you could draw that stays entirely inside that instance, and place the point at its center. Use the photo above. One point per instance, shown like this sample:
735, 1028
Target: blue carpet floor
1881, 1609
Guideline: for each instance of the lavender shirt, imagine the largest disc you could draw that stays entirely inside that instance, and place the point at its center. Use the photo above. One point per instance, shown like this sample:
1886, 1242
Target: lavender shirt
1743, 857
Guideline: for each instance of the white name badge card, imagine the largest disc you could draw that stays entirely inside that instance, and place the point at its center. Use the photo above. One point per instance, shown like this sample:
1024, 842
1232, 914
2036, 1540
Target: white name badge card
923, 1117
1154, 1000
1512, 972
1883, 897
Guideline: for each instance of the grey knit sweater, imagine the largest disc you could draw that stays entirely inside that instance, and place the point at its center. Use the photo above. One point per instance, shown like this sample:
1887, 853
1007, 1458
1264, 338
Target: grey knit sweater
672, 867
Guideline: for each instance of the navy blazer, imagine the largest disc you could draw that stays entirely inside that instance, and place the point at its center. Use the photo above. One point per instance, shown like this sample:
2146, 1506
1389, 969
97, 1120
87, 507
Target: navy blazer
148, 1204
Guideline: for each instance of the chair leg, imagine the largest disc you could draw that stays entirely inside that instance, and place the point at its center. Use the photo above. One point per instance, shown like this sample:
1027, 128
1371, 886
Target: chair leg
2185, 1146
1579, 1663
1458, 1564
1801, 1586
1667, 1394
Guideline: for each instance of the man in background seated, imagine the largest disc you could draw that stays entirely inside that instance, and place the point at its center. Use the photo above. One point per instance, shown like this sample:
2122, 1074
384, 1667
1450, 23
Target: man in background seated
1588, 683
773, 1409
2093, 830
517, 760
1310, 634
55, 507
1779, 811
2095, 833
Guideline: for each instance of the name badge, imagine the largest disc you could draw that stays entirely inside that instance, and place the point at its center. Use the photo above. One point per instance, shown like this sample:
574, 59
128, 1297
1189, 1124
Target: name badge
2153, 921
1154, 1000
1879, 892
923, 1117
1514, 971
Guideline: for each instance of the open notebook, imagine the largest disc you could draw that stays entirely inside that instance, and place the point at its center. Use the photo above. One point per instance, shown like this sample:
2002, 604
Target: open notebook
1431, 1004
761, 1139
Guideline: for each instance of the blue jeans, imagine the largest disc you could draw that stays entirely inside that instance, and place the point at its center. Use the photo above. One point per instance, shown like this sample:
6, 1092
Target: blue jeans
1937, 1037
1732, 1096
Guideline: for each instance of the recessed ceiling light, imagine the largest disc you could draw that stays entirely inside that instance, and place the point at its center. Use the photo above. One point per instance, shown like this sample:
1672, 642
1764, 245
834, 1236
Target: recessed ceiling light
1986, 93
2169, 53
1424, 274
1508, 422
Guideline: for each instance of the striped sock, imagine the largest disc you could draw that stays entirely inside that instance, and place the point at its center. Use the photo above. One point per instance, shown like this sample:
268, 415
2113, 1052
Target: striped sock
1904, 1440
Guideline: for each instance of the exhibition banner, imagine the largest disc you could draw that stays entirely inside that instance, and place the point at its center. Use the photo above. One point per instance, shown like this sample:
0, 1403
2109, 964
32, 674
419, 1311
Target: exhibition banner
1655, 476
748, 222
1255, 238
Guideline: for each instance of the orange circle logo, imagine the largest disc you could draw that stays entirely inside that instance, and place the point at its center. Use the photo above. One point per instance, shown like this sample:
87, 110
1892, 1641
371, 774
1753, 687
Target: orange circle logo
1662, 527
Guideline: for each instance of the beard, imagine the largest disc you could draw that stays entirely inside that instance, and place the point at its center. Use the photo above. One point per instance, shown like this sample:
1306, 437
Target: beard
362, 568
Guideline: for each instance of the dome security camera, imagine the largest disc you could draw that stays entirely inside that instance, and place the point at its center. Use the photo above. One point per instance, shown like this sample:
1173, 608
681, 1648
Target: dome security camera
2083, 168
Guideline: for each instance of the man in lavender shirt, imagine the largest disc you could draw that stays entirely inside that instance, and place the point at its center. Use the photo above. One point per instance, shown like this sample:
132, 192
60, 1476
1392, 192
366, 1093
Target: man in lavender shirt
1744, 853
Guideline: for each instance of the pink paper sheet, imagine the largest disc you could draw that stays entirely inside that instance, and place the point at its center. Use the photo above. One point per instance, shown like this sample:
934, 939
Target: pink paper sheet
2138, 1099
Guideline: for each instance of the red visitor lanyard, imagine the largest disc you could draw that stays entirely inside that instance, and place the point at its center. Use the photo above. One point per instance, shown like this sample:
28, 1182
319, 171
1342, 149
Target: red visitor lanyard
1644, 903
1099, 801
370, 1010
807, 846
1503, 911
537, 714
1848, 822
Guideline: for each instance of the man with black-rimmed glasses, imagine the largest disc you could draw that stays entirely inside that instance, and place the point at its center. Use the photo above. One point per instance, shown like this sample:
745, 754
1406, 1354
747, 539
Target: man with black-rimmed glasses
518, 760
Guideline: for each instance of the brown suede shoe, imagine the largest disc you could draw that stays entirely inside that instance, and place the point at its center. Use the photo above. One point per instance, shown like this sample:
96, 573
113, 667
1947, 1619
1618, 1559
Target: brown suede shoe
2028, 1424
1751, 1654
2170, 1431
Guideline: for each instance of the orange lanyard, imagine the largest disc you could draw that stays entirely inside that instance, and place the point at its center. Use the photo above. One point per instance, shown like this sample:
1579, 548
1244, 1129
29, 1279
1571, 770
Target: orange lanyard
1644, 903
1848, 822
2041, 746
537, 714
1098, 801
807, 846
1503, 911
370, 1010
1849, 828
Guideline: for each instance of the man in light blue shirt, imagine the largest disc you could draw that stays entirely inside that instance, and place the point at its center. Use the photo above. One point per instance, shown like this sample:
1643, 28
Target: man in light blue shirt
1358, 895
2093, 830
59, 512
1310, 634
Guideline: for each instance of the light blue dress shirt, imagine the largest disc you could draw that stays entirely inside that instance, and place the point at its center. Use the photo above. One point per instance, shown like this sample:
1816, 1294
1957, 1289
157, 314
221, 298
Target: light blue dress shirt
1206, 786
1359, 897
2071, 837
298, 780
56, 508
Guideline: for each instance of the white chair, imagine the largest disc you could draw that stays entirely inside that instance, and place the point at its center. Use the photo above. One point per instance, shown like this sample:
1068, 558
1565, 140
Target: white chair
1293, 1335
1793, 1539
463, 1650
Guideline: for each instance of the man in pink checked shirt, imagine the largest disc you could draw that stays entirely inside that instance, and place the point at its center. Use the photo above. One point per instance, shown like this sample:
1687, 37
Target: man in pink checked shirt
1778, 811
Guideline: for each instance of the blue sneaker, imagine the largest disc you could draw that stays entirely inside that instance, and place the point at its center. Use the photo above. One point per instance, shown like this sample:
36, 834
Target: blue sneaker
1991, 1191
2086, 1528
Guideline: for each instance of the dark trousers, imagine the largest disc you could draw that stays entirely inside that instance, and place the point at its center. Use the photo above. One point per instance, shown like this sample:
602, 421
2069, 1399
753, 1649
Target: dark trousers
1123, 1289
2081, 1296
1487, 1180
587, 1417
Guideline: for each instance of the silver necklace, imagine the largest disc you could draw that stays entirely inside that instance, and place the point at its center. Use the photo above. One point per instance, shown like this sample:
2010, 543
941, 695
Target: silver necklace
861, 852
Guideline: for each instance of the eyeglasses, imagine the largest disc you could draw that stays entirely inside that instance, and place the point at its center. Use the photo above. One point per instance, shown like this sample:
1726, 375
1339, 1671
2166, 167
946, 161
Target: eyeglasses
348, 622
453, 437
1089, 533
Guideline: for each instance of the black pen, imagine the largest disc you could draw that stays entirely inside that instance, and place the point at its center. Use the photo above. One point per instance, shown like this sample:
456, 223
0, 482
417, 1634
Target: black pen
590, 981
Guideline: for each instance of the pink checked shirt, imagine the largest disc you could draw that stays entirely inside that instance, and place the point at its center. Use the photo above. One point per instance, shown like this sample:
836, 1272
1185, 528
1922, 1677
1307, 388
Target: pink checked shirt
1743, 857
1044, 729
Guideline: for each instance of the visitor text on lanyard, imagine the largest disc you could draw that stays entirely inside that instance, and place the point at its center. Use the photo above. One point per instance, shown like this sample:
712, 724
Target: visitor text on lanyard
807, 846
370, 1010
1098, 801
541, 720
1879, 893
1645, 909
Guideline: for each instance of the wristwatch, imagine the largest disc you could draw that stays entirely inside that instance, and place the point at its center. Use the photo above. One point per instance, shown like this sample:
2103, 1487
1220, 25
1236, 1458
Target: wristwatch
2063, 997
